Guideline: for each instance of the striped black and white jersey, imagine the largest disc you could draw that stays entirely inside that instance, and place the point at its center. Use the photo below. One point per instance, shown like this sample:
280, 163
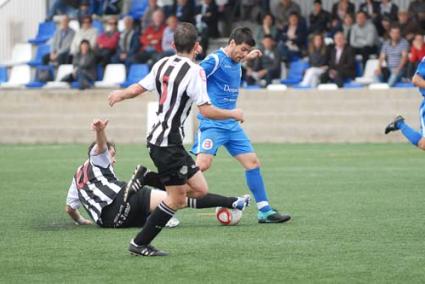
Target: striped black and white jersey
94, 185
178, 82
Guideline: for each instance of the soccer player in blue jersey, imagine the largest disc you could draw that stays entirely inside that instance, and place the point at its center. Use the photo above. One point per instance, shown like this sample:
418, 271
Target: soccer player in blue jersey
417, 138
223, 72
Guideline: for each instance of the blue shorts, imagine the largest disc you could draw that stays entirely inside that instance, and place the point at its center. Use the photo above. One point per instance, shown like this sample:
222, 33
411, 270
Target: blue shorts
210, 139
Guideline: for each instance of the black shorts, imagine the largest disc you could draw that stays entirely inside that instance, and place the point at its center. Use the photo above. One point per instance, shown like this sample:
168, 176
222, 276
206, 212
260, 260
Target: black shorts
175, 165
131, 214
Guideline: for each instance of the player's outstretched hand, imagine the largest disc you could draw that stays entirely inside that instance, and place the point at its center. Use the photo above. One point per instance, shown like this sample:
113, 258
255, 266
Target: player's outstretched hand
253, 54
238, 115
115, 97
99, 125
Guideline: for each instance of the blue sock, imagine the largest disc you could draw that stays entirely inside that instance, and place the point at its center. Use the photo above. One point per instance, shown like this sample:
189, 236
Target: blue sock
256, 185
411, 134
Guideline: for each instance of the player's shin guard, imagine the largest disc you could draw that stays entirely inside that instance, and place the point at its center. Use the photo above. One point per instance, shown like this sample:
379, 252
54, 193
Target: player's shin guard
411, 134
154, 224
211, 200
255, 182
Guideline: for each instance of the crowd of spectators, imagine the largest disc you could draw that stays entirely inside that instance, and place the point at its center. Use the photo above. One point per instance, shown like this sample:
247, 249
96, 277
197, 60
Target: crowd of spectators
332, 41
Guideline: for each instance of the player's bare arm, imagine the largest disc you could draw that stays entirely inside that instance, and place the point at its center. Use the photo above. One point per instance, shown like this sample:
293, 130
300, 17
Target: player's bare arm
212, 112
76, 216
418, 81
99, 126
128, 93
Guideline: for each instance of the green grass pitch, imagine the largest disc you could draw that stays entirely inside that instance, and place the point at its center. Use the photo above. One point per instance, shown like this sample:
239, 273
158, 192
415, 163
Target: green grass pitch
358, 217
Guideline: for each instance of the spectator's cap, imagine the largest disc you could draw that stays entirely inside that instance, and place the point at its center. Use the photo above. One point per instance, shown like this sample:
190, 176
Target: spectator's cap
317, 2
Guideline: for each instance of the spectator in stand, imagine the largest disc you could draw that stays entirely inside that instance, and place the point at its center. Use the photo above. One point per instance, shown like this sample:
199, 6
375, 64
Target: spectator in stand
168, 37
342, 8
107, 42
371, 8
292, 39
394, 53
184, 11
250, 10
146, 20
341, 62
364, 37
267, 67
150, 39
266, 28
84, 9
283, 11
318, 60
384, 33
347, 25
63, 7
408, 26
128, 44
85, 32
389, 9
320, 20
207, 23
417, 11
61, 44
84, 66
417, 53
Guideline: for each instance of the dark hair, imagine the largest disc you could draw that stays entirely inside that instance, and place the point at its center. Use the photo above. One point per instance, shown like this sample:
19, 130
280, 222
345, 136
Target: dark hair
395, 26
108, 144
82, 19
268, 15
363, 12
242, 35
268, 36
85, 41
185, 37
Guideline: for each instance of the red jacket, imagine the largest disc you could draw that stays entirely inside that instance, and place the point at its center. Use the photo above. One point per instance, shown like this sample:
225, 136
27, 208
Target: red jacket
151, 38
416, 55
108, 41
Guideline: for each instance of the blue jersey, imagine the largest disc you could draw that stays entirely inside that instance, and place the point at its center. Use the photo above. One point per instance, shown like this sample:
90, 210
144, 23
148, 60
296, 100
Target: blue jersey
421, 72
223, 82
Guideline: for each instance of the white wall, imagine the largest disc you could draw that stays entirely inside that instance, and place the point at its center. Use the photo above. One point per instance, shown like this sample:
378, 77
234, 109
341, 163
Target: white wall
18, 22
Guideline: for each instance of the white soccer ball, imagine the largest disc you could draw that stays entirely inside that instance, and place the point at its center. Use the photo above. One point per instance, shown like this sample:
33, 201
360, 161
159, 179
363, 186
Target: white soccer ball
228, 217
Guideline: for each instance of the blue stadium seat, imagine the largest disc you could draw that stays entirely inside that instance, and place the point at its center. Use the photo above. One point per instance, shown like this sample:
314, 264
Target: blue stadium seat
404, 85
137, 8
136, 73
36, 83
98, 25
41, 51
252, 87
359, 68
352, 85
299, 87
46, 30
3, 74
295, 72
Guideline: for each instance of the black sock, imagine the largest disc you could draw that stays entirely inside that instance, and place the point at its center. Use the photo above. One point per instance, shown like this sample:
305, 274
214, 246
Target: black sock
154, 224
211, 200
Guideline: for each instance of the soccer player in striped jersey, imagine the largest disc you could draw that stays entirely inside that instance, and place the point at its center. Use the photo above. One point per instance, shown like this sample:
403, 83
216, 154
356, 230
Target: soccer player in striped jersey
223, 71
115, 204
178, 82
417, 138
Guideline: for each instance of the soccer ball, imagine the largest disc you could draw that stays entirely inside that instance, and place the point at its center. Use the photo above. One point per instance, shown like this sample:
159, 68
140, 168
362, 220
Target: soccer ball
228, 217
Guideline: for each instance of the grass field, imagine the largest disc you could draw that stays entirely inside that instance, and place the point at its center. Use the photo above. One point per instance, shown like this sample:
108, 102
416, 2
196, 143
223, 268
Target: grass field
358, 216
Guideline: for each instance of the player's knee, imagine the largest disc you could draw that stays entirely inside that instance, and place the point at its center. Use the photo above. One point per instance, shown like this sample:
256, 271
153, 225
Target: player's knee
178, 202
421, 144
203, 164
253, 163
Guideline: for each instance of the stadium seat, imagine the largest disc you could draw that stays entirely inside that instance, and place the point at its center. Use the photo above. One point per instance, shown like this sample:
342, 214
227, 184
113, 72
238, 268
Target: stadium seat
295, 72
379, 86
20, 75
113, 77
369, 72
74, 24
46, 30
359, 68
277, 87
252, 87
353, 85
98, 25
327, 87
41, 51
3, 74
137, 8
21, 54
404, 85
136, 73
121, 26
63, 70
36, 83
